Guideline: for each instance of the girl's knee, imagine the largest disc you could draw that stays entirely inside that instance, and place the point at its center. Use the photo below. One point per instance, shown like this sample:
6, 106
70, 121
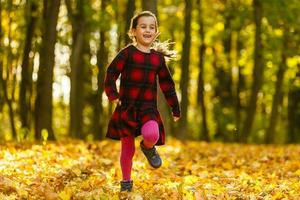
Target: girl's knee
150, 131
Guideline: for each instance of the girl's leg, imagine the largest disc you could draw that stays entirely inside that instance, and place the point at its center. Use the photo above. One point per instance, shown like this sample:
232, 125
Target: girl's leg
150, 132
127, 153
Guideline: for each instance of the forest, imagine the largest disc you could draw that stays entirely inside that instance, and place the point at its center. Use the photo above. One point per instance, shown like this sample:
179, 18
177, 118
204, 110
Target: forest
237, 77
237, 70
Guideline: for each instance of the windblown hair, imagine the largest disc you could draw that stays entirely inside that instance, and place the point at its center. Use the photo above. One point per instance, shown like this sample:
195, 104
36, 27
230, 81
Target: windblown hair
162, 47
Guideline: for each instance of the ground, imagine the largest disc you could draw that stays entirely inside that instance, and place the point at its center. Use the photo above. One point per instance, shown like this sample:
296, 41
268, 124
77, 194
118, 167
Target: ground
190, 170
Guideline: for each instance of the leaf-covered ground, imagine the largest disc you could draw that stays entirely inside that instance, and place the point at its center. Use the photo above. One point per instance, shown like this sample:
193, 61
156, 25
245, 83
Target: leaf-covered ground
191, 170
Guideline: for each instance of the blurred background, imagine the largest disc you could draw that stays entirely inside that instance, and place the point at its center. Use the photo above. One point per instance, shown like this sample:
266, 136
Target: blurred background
237, 72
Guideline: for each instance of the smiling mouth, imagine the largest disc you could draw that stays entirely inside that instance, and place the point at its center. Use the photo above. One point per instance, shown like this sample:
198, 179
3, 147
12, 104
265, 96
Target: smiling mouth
147, 36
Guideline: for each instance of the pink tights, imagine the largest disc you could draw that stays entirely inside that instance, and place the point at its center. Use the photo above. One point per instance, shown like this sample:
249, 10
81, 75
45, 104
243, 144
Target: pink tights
150, 133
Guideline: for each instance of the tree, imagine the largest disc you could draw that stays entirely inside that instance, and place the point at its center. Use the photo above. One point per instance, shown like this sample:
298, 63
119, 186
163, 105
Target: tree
281, 16
185, 62
102, 57
226, 98
294, 110
278, 95
257, 73
150, 6
4, 79
130, 8
240, 86
25, 85
200, 90
43, 102
77, 19
1, 61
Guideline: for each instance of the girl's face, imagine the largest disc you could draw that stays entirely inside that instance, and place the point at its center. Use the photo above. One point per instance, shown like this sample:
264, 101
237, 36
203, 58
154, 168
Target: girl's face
145, 30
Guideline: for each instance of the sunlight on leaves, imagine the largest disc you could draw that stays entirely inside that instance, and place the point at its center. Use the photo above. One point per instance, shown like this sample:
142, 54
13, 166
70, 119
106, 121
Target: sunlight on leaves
190, 170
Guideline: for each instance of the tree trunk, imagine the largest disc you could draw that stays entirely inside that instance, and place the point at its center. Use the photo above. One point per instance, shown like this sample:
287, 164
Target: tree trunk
223, 108
185, 62
173, 126
227, 40
150, 6
218, 95
121, 27
200, 90
77, 92
1, 62
43, 103
9, 98
25, 85
278, 95
130, 8
257, 73
294, 110
102, 57
239, 88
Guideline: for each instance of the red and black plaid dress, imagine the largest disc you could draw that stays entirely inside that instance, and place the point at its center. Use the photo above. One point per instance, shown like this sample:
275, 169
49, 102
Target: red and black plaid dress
138, 87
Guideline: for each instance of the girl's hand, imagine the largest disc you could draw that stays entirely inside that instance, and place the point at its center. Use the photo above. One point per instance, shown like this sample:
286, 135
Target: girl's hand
176, 118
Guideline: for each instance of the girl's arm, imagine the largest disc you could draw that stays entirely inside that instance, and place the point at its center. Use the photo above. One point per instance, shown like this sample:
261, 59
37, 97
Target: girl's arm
167, 86
112, 73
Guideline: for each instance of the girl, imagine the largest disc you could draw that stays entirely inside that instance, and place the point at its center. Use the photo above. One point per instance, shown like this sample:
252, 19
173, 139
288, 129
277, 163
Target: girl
136, 112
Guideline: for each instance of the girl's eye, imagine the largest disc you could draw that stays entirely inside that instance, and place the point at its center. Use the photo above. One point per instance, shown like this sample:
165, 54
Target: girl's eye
144, 27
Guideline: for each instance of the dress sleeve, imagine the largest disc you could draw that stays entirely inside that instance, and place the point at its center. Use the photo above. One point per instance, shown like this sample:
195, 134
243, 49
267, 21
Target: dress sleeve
112, 73
167, 86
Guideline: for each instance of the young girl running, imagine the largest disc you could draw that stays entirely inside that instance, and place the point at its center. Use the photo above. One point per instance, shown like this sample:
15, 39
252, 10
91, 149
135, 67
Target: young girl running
139, 64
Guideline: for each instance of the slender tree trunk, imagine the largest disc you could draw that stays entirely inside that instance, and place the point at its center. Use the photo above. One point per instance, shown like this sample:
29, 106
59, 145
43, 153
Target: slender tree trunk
9, 98
173, 126
130, 8
77, 92
1, 68
150, 6
219, 73
257, 72
294, 110
185, 62
121, 26
223, 90
25, 85
239, 88
1, 71
43, 103
200, 90
1, 62
278, 95
102, 57
227, 40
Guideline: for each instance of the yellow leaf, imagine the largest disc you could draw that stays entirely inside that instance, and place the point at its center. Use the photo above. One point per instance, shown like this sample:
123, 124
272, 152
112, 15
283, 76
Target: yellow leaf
76, 171
64, 196
227, 165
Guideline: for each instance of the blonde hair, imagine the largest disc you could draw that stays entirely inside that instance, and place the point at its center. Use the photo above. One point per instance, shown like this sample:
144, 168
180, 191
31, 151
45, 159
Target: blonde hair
162, 47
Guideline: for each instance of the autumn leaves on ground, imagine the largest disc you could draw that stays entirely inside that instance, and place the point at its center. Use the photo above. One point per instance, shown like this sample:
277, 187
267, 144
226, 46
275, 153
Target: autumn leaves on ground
191, 170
